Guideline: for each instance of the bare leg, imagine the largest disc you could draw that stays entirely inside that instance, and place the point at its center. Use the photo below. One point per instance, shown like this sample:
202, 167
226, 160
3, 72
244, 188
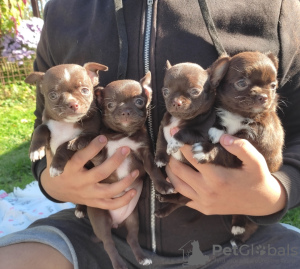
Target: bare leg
32, 255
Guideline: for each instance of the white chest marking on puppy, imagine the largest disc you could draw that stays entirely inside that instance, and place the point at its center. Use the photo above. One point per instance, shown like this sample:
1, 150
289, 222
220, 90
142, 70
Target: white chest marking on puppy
61, 132
232, 122
112, 146
171, 141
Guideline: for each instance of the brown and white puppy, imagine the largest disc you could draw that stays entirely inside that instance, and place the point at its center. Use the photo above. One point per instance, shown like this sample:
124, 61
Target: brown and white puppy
124, 105
189, 92
246, 108
70, 117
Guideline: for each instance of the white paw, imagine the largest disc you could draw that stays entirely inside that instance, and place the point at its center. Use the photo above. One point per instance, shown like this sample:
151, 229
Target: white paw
38, 154
199, 156
145, 261
236, 230
54, 172
215, 134
160, 164
173, 146
79, 214
197, 149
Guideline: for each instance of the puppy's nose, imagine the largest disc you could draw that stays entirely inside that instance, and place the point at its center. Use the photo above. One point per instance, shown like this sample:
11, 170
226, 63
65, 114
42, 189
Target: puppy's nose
126, 113
73, 105
262, 98
177, 102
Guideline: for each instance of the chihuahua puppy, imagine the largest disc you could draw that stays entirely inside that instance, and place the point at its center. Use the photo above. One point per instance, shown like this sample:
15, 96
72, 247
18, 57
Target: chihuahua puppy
189, 92
124, 106
70, 118
246, 108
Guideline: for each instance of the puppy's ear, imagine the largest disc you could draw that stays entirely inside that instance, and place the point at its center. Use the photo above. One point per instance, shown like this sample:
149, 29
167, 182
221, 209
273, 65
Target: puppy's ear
34, 77
273, 58
93, 70
146, 85
98, 93
218, 70
168, 65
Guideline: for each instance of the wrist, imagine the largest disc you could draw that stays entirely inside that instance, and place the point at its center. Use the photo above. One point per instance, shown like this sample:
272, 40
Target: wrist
276, 195
44, 186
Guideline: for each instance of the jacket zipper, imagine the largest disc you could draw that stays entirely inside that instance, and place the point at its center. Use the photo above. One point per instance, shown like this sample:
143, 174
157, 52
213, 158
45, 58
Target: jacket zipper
148, 26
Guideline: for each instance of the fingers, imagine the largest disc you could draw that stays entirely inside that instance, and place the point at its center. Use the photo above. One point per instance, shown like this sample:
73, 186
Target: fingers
243, 149
176, 171
48, 157
114, 189
186, 150
105, 169
81, 157
115, 203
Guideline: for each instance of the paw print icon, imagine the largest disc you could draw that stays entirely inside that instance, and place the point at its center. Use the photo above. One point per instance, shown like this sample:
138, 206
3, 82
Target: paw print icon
261, 250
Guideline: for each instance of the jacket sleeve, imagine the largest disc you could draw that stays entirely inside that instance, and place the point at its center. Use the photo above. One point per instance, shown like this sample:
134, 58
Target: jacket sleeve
42, 63
289, 108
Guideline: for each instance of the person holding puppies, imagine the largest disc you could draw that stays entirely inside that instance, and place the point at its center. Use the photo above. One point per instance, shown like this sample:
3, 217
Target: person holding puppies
132, 37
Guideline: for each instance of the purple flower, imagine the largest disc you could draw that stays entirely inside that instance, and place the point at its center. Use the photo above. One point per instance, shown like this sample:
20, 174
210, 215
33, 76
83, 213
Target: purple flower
24, 43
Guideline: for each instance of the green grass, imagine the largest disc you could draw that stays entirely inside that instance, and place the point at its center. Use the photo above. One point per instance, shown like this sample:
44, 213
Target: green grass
292, 217
17, 104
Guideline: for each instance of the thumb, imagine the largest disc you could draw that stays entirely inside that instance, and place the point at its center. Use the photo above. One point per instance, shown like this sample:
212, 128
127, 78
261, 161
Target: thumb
242, 149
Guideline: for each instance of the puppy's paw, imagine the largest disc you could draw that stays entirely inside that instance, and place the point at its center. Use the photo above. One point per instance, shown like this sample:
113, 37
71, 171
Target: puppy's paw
164, 187
198, 152
173, 146
145, 261
54, 172
72, 145
160, 197
79, 214
215, 134
77, 144
161, 158
237, 230
163, 212
37, 154
160, 164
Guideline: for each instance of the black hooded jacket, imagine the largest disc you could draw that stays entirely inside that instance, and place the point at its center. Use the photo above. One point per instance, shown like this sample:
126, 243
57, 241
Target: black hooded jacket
141, 36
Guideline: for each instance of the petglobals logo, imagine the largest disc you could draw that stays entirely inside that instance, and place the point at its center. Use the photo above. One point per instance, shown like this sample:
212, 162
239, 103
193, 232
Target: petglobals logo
251, 250
192, 255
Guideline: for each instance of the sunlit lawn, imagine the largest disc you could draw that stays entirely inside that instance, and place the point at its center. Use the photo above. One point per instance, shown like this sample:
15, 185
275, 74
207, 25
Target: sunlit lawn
17, 104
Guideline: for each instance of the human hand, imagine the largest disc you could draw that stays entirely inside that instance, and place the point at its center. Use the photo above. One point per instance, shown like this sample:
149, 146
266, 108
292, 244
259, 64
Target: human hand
250, 190
81, 186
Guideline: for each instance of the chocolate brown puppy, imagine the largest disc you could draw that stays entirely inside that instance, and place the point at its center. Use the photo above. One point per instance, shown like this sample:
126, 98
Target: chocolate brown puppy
189, 92
70, 118
124, 105
246, 108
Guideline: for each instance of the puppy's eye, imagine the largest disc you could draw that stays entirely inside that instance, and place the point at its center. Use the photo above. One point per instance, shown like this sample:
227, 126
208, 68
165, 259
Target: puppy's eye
165, 92
273, 85
111, 105
53, 95
241, 84
139, 102
85, 91
194, 92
